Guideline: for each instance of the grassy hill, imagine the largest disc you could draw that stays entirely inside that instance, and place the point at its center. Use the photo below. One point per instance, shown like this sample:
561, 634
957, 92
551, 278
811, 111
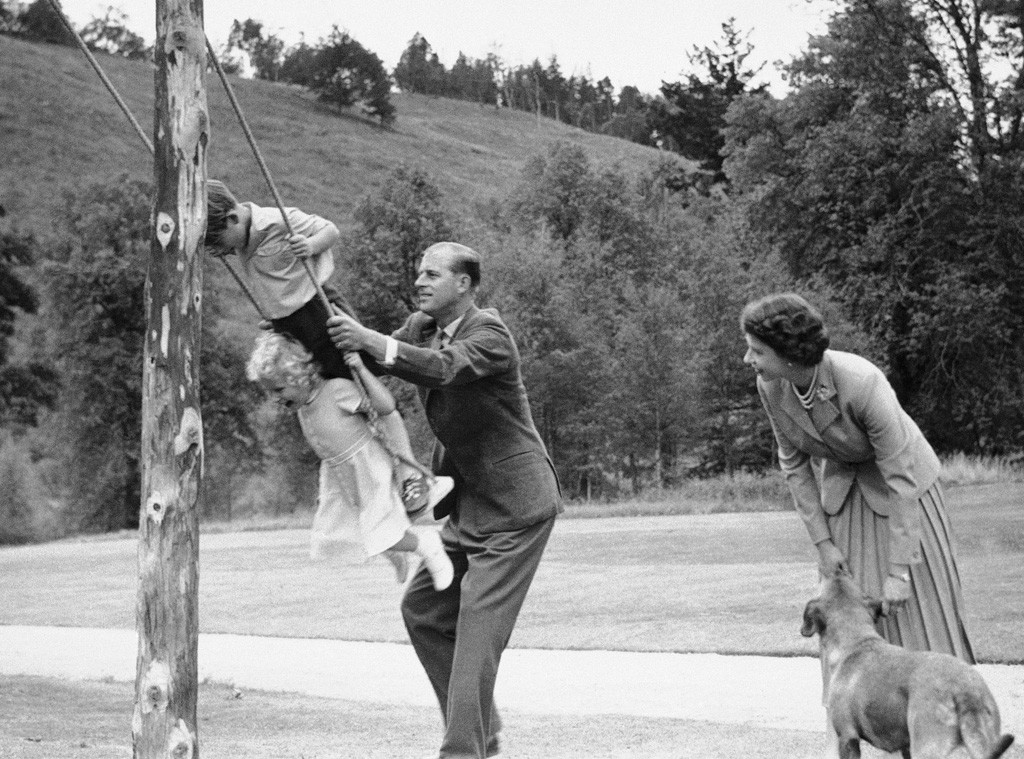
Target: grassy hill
60, 130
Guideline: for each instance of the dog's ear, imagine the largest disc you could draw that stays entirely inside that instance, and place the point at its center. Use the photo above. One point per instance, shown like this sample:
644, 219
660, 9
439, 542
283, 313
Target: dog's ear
814, 620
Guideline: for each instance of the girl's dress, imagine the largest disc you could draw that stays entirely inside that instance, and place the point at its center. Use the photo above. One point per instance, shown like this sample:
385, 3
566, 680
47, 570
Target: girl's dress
359, 508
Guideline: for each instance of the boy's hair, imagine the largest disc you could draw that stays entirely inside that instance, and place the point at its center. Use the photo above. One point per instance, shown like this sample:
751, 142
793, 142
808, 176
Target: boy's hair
278, 360
219, 203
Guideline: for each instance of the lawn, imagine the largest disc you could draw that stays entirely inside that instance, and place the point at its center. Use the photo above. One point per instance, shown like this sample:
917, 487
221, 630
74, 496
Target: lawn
45, 719
727, 583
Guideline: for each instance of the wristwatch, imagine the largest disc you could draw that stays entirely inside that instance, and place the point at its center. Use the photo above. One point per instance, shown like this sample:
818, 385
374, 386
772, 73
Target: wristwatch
904, 575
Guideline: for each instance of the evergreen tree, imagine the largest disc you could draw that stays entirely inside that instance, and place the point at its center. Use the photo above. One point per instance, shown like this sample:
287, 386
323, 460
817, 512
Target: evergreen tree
419, 70
691, 115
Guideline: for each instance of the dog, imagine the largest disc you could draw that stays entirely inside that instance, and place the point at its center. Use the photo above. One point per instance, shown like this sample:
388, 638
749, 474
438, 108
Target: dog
923, 704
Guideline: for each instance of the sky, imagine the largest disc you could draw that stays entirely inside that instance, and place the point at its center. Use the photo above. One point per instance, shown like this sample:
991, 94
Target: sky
633, 42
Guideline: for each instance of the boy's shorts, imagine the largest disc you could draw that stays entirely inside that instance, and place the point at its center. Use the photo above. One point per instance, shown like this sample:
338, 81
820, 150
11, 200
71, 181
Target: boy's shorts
308, 325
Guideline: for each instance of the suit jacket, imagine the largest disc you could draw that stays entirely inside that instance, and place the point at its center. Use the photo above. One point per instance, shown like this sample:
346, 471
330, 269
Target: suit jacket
476, 405
856, 431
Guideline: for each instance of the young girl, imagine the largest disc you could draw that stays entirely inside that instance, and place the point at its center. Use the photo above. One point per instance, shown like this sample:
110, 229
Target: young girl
360, 502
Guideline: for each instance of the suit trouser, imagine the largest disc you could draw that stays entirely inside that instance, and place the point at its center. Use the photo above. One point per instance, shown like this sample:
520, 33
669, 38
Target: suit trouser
460, 633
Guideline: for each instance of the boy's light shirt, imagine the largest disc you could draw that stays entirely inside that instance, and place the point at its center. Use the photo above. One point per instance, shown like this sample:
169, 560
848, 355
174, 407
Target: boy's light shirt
276, 275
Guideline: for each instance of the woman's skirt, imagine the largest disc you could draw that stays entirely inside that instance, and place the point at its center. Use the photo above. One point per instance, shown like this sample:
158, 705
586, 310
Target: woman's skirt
933, 617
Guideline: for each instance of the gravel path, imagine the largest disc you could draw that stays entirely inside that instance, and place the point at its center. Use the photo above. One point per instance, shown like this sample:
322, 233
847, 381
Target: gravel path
772, 692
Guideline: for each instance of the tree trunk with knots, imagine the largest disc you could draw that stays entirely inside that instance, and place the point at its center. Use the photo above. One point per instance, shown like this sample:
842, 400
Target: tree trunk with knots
164, 723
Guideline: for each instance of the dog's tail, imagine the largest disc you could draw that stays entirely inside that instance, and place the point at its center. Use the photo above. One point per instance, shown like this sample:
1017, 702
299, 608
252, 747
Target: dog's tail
979, 726
1001, 745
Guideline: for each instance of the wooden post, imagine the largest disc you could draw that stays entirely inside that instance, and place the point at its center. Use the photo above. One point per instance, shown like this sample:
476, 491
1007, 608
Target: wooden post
164, 723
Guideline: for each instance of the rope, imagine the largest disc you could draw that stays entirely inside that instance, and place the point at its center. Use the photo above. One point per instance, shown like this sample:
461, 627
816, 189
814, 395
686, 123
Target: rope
245, 288
263, 168
371, 413
96, 67
138, 129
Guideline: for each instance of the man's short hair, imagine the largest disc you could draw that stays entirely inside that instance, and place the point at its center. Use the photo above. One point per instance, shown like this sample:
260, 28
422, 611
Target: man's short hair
463, 259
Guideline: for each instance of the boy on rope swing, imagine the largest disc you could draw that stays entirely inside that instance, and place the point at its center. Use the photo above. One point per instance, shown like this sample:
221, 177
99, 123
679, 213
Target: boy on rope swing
289, 301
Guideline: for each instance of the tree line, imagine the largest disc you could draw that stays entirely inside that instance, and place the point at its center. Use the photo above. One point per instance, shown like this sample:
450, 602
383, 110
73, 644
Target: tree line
338, 70
888, 186
684, 116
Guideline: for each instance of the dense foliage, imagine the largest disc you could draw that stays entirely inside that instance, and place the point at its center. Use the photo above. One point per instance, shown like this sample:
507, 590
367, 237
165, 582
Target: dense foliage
685, 116
623, 300
28, 386
95, 270
38, 21
893, 173
888, 186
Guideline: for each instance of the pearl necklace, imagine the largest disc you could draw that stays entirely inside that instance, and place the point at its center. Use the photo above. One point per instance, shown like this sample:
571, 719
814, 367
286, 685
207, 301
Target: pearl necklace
807, 399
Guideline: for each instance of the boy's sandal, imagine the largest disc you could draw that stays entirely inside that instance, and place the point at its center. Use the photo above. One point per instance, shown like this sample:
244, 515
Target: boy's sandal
415, 493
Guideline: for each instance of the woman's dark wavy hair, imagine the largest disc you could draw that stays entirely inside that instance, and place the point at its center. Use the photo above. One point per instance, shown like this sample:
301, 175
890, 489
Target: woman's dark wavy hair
789, 325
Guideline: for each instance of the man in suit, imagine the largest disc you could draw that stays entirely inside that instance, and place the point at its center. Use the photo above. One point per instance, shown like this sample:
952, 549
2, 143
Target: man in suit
502, 510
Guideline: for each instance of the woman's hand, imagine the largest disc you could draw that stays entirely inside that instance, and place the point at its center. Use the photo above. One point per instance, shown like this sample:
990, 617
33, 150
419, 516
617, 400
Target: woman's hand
353, 359
895, 590
831, 559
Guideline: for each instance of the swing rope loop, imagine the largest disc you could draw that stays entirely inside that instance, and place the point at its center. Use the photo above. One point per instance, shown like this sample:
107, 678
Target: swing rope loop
371, 413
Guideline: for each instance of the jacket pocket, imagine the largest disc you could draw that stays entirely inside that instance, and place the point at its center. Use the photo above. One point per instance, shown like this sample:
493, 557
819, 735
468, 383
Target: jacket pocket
518, 491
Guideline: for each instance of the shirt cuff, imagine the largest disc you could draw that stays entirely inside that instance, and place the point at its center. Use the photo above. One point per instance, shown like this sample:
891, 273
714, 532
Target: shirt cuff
390, 351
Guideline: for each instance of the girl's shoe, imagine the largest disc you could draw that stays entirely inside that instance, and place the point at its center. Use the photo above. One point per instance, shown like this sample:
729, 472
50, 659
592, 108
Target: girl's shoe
435, 558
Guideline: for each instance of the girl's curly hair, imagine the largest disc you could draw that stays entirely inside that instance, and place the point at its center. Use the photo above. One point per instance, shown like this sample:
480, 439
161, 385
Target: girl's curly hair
278, 361
789, 325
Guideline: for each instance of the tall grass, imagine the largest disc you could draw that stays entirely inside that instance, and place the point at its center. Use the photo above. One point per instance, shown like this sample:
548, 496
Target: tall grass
753, 492
737, 492
964, 469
